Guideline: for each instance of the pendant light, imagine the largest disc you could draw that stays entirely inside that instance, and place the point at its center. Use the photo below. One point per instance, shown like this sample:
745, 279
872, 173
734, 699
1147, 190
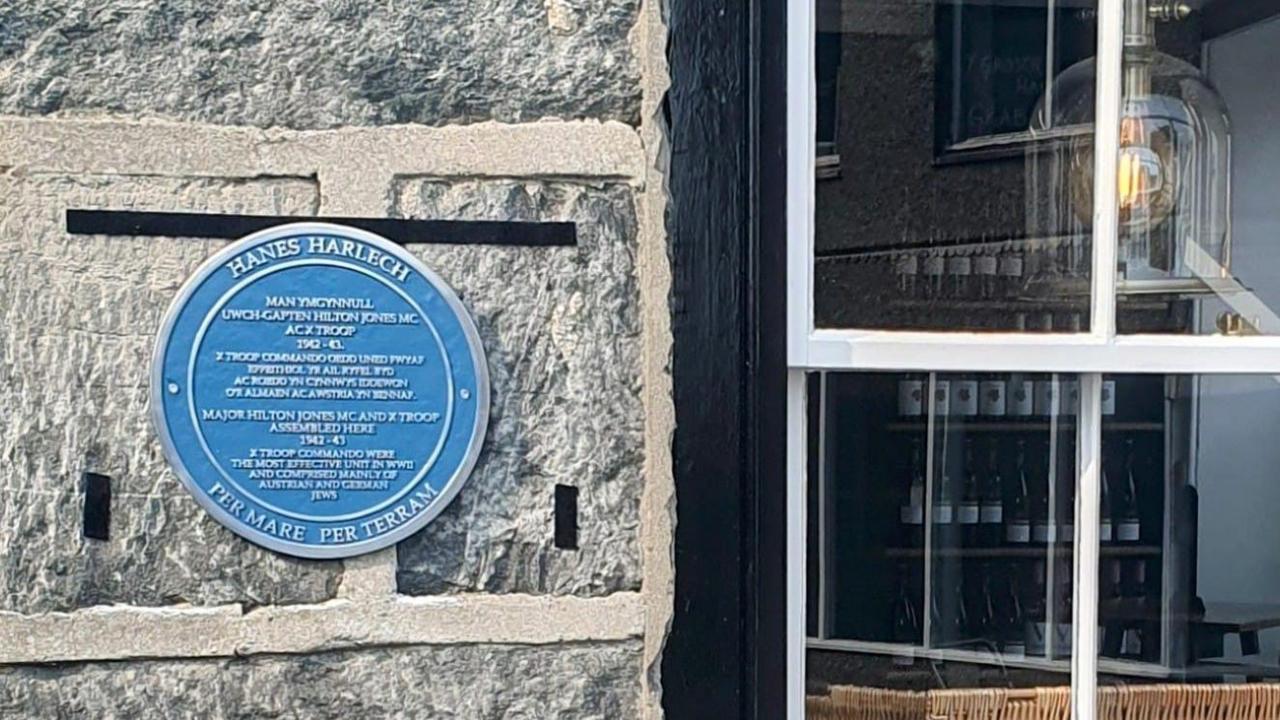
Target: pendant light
1173, 167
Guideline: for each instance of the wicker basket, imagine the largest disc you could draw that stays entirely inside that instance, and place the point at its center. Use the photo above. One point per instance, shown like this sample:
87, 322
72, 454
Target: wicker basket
1049, 703
1143, 702
1190, 702
863, 703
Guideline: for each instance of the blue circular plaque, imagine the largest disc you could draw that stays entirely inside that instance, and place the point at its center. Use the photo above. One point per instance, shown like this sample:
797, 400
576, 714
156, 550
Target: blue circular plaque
319, 390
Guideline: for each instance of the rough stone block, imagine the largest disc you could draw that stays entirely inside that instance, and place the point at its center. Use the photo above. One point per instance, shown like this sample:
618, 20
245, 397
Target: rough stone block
321, 63
78, 316
475, 682
561, 329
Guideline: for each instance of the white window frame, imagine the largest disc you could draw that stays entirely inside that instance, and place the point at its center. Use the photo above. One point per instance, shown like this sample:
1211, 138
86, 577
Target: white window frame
1101, 350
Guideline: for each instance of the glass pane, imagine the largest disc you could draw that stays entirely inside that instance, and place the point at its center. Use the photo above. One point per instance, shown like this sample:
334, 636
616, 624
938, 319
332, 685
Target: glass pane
1189, 585
1197, 169
939, 126
941, 534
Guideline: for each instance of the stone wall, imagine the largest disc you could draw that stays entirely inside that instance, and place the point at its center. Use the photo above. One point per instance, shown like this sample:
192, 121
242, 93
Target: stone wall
495, 109
579, 682
322, 63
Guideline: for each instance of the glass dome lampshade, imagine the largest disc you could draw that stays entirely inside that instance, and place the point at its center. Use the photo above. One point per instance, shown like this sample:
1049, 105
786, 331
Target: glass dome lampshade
1173, 169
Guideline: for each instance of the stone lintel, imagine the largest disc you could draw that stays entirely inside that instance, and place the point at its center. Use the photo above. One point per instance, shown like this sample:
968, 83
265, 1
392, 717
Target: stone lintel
125, 632
543, 149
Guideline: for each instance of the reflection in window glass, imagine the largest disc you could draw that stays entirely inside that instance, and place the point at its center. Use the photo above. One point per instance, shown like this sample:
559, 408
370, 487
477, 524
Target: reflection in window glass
936, 203
1198, 169
1189, 582
941, 538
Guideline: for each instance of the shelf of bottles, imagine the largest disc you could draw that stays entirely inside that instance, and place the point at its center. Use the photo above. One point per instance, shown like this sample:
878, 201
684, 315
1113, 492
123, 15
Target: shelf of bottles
991, 271
967, 536
1021, 285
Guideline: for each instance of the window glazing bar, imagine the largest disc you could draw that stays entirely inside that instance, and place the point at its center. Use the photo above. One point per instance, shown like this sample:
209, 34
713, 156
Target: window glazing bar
925, 352
802, 98
824, 557
1106, 150
1084, 643
797, 462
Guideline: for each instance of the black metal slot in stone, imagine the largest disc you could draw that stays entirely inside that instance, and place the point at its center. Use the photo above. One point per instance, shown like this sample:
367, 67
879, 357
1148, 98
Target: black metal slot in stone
566, 517
401, 231
97, 505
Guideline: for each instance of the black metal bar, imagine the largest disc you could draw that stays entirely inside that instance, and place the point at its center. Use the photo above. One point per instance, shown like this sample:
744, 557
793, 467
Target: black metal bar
402, 231
97, 506
566, 517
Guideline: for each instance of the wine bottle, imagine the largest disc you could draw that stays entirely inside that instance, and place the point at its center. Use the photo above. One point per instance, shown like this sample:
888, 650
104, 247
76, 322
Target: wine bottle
1060, 259
1148, 607
1062, 623
941, 398
960, 268
969, 511
944, 496
985, 623
1014, 642
991, 393
1108, 397
1048, 396
958, 628
1071, 398
964, 395
1066, 481
911, 395
908, 271
1111, 609
912, 510
1018, 522
1010, 268
1135, 645
934, 275
905, 623
1131, 643
986, 273
1112, 586
1129, 527
991, 510
1134, 583
1043, 525
1104, 511
1036, 611
935, 617
1021, 396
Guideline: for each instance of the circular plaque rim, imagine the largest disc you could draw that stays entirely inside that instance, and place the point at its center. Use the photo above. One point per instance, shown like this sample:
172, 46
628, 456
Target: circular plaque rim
319, 552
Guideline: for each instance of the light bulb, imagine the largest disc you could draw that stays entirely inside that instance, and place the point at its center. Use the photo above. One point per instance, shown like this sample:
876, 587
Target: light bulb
1135, 168
1146, 175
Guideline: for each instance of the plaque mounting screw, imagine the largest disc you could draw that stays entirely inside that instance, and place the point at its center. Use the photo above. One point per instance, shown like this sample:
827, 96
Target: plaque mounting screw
466, 394
173, 388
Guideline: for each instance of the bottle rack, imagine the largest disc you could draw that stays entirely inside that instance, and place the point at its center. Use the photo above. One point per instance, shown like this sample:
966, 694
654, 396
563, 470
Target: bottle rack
946, 588
1028, 285
991, 270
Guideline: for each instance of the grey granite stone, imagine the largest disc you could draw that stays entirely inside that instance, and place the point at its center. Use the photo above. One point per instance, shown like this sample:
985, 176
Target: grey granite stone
321, 63
472, 682
77, 322
561, 330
